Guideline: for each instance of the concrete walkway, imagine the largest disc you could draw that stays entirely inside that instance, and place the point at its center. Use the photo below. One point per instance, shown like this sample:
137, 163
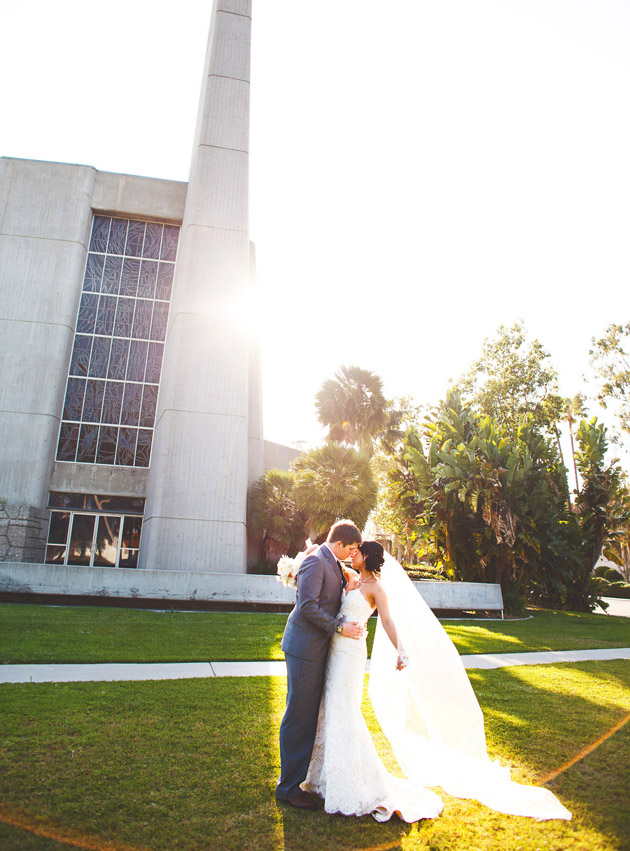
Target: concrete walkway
192, 670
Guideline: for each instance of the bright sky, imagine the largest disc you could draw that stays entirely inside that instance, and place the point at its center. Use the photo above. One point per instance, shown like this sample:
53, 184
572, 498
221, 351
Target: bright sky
421, 172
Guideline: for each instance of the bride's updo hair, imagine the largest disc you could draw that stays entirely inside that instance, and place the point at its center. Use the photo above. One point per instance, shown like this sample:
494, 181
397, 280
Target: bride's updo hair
372, 553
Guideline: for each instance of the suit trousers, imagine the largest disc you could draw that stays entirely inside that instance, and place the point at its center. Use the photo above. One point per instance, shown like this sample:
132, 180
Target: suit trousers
305, 683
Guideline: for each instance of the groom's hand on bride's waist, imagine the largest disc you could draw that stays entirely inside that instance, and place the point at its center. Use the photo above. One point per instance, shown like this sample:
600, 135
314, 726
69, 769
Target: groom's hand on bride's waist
352, 630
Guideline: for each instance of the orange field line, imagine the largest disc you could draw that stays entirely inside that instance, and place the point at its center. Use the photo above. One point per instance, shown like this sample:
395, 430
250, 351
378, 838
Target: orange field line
585, 751
59, 834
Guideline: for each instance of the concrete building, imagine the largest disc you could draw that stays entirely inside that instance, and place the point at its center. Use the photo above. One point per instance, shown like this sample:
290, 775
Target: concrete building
130, 404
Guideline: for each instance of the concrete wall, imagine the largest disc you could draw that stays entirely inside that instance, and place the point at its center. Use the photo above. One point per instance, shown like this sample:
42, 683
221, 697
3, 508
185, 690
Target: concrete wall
213, 587
196, 501
278, 456
45, 221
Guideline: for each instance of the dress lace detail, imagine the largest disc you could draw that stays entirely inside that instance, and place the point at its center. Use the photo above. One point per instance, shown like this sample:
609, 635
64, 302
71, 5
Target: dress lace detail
345, 769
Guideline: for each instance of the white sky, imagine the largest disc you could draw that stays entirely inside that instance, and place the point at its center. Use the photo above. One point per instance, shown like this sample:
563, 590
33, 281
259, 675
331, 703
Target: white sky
420, 171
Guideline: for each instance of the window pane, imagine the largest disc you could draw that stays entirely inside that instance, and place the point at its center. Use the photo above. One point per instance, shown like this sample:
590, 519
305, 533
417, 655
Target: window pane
137, 361
132, 529
55, 554
117, 237
135, 238
143, 449
100, 357
118, 357
96, 502
129, 277
87, 313
94, 392
131, 405
100, 230
86, 450
58, 529
107, 537
128, 558
111, 275
80, 355
152, 240
148, 277
154, 362
80, 550
74, 399
106, 313
142, 321
67, 447
121, 326
93, 273
165, 281
124, 317
106, 452
126, 451
169, 243
160, 315
112, 402
149, 402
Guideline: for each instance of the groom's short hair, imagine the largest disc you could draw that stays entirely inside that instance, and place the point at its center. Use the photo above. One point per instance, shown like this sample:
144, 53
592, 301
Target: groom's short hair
344, 531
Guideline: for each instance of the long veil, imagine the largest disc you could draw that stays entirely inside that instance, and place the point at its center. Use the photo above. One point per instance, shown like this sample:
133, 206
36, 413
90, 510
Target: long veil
430, 714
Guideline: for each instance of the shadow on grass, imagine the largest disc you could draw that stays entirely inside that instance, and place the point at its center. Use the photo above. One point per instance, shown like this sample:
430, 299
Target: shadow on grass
543, 716
192, 764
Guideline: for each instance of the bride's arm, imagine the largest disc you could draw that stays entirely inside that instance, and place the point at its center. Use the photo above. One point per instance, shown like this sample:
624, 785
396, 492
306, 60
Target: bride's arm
380, 598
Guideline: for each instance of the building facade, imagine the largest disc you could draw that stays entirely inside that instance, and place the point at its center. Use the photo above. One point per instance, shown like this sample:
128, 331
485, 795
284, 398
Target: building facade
130, 403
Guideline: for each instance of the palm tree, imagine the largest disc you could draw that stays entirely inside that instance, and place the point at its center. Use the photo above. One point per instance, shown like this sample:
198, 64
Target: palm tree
353, 407
273, 515
332, 482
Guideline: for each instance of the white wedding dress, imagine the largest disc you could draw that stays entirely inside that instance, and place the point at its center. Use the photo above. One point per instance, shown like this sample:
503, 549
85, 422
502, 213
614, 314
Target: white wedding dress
345, 769
428, 712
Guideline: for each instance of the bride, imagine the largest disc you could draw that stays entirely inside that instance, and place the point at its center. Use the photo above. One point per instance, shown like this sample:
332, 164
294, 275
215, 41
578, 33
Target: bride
422, 699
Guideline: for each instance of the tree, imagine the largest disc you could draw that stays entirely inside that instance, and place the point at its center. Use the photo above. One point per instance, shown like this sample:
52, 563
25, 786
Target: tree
273, 514
596, 510
610, 357
353, 407
513, 378
397, 509
332, 482
617, 550
574, 409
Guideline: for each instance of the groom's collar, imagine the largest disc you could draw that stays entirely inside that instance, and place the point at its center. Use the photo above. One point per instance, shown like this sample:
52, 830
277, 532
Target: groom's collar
327, 550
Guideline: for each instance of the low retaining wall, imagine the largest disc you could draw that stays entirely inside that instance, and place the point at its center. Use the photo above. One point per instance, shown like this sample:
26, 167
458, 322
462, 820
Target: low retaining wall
119, 583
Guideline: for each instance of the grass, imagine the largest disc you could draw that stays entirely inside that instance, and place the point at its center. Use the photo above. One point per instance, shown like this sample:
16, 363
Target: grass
56, 634
191, 764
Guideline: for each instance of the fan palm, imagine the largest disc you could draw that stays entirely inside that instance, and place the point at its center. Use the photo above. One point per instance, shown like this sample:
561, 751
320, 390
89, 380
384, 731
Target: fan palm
331, 482
273, 514
353, 407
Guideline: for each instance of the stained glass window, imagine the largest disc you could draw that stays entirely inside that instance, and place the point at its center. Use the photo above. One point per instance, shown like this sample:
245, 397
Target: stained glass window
111, 396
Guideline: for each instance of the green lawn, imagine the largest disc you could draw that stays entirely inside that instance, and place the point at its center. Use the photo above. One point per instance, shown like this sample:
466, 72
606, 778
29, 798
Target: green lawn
191, 765
55, 634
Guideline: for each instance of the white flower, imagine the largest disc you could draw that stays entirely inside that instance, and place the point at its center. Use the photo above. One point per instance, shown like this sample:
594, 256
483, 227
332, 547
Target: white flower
288, 569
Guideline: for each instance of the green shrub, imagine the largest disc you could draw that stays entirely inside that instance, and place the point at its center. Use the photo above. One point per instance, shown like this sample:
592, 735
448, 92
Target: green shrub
612, 575
618, 589
425, 571
514, 603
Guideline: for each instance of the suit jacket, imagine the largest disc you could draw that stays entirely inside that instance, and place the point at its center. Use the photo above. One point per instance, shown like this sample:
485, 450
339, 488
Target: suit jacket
314, 619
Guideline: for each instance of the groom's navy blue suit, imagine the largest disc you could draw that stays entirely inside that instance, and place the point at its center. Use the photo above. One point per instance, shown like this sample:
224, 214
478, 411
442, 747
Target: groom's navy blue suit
305, 642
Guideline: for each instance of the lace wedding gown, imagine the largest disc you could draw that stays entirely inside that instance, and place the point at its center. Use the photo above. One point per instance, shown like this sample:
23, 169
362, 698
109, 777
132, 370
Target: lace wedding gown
345, 769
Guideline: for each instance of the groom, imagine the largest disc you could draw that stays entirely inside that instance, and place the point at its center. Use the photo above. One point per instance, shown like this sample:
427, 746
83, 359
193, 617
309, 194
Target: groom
311, 624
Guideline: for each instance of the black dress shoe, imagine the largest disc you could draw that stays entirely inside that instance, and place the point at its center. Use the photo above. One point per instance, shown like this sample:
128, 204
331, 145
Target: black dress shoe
302, 800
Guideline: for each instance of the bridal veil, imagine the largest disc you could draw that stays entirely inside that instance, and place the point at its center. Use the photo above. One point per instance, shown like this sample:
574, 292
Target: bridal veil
430, 714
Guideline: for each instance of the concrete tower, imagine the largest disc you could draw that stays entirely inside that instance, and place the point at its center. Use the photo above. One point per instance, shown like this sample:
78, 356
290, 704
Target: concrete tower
201, 464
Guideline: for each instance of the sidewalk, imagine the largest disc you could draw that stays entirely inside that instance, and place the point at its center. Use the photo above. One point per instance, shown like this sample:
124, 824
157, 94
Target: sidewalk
192, 670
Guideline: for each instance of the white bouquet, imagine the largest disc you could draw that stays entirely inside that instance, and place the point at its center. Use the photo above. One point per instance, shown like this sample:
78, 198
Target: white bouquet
288, 568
